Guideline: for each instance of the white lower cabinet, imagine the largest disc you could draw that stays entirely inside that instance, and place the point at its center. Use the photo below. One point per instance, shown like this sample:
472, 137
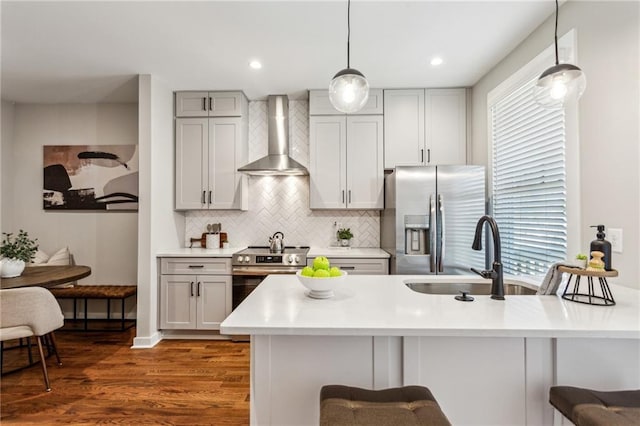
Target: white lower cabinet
358, 266
198, 298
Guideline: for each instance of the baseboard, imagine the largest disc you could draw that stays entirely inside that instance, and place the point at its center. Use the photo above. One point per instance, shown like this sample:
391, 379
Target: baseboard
194, 335
146, 342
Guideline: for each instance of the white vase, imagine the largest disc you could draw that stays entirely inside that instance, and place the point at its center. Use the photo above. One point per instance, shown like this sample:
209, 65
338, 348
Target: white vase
12, 268
345, 243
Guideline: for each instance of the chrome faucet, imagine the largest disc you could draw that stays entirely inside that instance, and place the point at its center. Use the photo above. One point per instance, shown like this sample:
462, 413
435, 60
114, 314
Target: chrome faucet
497, 286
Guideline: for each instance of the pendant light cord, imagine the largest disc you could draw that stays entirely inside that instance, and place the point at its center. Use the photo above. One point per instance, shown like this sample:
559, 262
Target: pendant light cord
349, 30
555, 36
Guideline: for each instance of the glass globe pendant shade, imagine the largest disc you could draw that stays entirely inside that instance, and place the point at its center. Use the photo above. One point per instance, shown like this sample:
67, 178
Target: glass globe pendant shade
348, 91
560, 85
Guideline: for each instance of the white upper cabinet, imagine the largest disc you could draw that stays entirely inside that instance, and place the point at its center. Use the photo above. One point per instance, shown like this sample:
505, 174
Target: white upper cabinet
210, 104
228, 150
425, 127
319, 103
446, 125
404, 128
192, 163
365, 169
327, 162
208, 153
346, 166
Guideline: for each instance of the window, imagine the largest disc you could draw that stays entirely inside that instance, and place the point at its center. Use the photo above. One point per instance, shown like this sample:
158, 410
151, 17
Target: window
529, 182
533, 174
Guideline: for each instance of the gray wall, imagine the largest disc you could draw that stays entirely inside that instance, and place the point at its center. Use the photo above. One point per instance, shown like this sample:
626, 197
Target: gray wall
105, 241
6, 162
608, 35
160, 226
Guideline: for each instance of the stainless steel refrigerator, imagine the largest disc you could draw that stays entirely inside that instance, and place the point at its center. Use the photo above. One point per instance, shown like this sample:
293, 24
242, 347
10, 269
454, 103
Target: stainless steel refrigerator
429, 219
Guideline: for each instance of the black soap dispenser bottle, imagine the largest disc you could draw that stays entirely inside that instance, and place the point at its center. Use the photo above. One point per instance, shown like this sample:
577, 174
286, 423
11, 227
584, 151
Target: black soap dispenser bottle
602, 245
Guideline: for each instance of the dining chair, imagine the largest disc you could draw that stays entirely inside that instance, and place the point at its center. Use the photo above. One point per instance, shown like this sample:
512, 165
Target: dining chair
31, 311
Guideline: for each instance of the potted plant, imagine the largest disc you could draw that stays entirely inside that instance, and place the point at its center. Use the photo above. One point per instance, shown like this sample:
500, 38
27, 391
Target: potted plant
16, 252
345, 236
581, 260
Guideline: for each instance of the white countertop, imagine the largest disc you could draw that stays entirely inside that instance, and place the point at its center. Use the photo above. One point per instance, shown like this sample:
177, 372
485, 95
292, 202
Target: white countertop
199, 252
336, 252
368, 305
348, 253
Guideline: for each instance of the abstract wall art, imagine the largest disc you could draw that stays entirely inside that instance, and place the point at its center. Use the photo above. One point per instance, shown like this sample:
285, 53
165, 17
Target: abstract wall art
90, 177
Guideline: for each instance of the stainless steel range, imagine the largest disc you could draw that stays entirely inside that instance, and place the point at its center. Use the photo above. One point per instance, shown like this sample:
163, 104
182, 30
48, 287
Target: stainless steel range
251, 265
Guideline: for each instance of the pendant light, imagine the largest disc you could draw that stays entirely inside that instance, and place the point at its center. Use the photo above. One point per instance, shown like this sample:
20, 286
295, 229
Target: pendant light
349, 89
560, 83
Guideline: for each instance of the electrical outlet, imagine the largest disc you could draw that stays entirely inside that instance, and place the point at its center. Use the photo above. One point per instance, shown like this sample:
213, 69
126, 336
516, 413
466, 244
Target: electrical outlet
615, 236
338, 225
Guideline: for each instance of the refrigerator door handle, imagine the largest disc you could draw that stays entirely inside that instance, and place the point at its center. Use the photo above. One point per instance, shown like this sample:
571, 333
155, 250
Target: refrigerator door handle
432, 234
442, 233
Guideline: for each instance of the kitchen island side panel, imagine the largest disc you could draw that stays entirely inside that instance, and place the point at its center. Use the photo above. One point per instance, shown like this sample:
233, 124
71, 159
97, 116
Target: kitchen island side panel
476, 380
289, 371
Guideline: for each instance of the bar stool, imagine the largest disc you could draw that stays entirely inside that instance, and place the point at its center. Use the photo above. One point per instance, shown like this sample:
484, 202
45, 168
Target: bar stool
352, 406
586, 407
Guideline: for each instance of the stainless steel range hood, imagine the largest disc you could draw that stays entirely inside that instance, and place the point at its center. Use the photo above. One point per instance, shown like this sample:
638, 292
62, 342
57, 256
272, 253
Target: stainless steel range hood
277, 161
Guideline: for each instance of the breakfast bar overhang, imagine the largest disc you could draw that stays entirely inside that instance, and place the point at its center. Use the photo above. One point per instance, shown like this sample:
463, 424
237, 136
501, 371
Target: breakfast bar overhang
487, 361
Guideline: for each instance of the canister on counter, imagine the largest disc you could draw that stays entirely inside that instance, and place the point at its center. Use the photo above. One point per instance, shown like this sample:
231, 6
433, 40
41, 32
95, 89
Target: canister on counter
213, 241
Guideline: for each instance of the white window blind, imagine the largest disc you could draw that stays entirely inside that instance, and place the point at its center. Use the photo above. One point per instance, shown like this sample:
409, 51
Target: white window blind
529, 182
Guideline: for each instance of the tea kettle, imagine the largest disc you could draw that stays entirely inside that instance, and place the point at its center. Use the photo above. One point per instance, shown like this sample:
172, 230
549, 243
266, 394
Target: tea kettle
276, 242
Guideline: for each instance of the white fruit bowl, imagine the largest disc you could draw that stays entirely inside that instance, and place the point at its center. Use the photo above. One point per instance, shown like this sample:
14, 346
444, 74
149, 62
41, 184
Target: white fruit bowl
321, 288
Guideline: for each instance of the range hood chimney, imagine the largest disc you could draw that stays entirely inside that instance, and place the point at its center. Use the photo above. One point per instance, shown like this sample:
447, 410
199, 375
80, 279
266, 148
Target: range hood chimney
277, 161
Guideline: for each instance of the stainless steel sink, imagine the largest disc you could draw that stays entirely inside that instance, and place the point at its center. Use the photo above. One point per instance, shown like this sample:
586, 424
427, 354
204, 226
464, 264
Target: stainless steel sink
471, 288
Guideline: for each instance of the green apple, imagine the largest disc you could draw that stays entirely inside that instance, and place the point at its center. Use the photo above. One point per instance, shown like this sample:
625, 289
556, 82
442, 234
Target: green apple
335, 272
321, 262
307, 271
321, 273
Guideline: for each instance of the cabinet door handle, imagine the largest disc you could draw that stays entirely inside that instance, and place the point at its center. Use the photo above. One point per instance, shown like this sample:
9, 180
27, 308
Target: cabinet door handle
196, 266
428, 156
210, 104
349, 268
204, 103
349, 196
198, 291
422, 155
191, 286
204, 193
210, 196
343, 196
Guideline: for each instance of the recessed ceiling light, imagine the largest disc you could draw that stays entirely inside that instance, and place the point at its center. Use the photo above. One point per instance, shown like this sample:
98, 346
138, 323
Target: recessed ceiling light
436, 61
256, 65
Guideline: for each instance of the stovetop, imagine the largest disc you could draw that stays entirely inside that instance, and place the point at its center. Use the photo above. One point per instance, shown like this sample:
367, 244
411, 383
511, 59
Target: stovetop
261, 256
260, 250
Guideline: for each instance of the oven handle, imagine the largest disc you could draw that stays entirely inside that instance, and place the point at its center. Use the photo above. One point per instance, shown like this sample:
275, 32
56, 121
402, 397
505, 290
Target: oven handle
248, 271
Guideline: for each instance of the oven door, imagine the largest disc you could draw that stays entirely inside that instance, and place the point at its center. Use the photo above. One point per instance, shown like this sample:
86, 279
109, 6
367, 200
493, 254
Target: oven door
243, 285
247, 278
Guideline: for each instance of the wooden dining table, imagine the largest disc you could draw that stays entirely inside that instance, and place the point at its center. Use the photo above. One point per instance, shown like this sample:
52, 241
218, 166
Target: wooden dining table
46, 276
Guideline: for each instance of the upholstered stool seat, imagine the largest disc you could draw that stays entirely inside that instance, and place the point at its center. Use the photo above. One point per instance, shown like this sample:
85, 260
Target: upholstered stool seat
585, 407
407, 406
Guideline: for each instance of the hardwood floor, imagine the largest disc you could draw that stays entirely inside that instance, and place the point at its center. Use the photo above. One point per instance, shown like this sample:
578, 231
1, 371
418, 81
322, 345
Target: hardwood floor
104, 381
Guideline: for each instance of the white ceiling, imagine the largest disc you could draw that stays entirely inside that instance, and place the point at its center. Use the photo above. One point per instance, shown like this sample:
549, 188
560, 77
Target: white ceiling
90, 51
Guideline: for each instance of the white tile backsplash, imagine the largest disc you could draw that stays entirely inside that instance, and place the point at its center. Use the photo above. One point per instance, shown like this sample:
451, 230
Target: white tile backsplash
281, 203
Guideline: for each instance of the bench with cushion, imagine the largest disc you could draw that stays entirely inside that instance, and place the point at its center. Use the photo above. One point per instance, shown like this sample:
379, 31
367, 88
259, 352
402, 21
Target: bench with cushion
408, 406
586, 407
108, 292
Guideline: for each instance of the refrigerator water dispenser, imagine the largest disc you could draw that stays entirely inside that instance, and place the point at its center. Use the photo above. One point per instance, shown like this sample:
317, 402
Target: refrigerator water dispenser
416, 234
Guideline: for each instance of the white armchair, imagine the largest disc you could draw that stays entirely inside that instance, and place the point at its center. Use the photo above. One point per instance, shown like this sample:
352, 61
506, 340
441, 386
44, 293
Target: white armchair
30, 311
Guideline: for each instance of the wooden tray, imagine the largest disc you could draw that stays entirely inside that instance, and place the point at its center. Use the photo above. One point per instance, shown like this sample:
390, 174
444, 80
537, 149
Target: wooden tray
585, 273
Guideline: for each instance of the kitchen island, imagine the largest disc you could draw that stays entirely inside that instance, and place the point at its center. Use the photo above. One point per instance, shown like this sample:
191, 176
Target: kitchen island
486, 361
